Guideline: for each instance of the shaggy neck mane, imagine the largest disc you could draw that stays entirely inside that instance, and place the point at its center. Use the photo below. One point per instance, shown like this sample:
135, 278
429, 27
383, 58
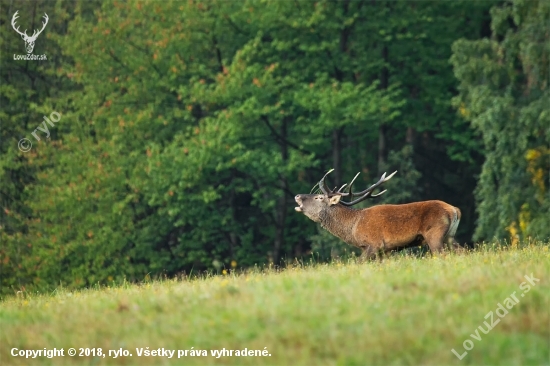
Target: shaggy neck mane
339, 221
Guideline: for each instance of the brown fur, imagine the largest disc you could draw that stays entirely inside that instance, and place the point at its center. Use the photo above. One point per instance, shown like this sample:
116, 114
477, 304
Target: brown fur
385, 228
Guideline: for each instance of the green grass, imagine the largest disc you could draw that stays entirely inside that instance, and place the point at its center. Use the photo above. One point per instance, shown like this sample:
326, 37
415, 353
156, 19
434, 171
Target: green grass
404, 310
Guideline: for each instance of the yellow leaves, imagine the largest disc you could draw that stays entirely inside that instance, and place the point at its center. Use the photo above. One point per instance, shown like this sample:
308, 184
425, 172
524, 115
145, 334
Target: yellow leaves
174, 69
532, 154
233, 264
463, 111
524, 217
148, 152
536, 166
513, 230
256, 82
271, 67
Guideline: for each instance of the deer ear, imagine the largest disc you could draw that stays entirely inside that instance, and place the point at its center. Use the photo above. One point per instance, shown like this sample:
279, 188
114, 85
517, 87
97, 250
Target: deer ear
334, 199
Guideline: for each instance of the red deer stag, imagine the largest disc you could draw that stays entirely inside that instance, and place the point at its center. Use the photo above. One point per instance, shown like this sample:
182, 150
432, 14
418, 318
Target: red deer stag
384, 228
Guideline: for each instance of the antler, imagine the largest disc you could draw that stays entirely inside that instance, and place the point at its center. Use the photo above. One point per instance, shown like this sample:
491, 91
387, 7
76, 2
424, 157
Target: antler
13, 19
322, 186
328, 191
35, 34
367, 193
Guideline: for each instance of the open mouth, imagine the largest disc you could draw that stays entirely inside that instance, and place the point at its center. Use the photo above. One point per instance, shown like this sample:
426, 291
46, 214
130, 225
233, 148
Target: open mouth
300, 204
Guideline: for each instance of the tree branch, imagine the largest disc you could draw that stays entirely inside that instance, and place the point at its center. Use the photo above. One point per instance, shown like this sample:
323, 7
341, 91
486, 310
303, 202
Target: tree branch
280, 139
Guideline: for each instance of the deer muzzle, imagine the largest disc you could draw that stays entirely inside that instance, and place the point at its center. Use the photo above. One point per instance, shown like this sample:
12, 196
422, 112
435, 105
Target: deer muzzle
299, 202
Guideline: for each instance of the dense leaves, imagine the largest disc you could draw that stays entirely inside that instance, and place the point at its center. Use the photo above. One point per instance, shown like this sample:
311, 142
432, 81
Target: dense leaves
188, 127
504, 92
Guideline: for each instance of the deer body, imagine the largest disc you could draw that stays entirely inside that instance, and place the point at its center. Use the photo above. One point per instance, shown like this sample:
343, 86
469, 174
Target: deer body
384, 228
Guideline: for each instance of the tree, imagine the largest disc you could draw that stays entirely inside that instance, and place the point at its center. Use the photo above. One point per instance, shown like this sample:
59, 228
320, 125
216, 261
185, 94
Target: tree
504, 93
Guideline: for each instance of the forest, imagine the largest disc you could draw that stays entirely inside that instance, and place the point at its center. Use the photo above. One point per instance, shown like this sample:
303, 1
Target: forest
170, 137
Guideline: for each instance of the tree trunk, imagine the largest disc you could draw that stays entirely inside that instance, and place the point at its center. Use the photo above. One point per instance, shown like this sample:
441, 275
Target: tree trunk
337, 155
338, 132
233, 238
381, 149
382, 143
410, 137
282, 201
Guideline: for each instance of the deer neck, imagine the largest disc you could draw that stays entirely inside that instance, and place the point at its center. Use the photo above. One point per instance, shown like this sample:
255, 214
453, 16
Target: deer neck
339, 221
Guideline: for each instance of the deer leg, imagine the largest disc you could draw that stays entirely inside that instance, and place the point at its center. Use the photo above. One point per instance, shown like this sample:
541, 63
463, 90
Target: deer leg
435, 242
369, 253
455, 247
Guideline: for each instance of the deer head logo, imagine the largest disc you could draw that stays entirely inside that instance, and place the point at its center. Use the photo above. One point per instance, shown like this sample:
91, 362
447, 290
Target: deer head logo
29, 41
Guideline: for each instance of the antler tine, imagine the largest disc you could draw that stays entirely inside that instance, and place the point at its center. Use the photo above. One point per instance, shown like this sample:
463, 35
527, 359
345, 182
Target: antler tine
340, 190
13, 21
389, 176
322, 183
351, 184
376, 195
368, 192
43, 26
382, 179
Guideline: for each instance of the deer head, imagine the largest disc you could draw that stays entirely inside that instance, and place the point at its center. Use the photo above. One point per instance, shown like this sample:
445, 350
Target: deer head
29, 41
319, 206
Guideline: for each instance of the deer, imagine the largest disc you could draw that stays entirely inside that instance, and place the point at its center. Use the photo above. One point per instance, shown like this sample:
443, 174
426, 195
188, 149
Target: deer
381, 229
29, 41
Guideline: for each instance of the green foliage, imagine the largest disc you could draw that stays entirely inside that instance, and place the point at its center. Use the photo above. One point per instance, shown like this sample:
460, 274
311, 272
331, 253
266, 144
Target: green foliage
187, 129
504, 93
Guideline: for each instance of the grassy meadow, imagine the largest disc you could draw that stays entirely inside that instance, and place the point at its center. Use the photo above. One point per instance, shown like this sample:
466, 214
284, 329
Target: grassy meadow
403, 310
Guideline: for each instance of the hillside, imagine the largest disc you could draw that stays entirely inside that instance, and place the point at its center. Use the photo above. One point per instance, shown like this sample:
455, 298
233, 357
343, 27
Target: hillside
404, 310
